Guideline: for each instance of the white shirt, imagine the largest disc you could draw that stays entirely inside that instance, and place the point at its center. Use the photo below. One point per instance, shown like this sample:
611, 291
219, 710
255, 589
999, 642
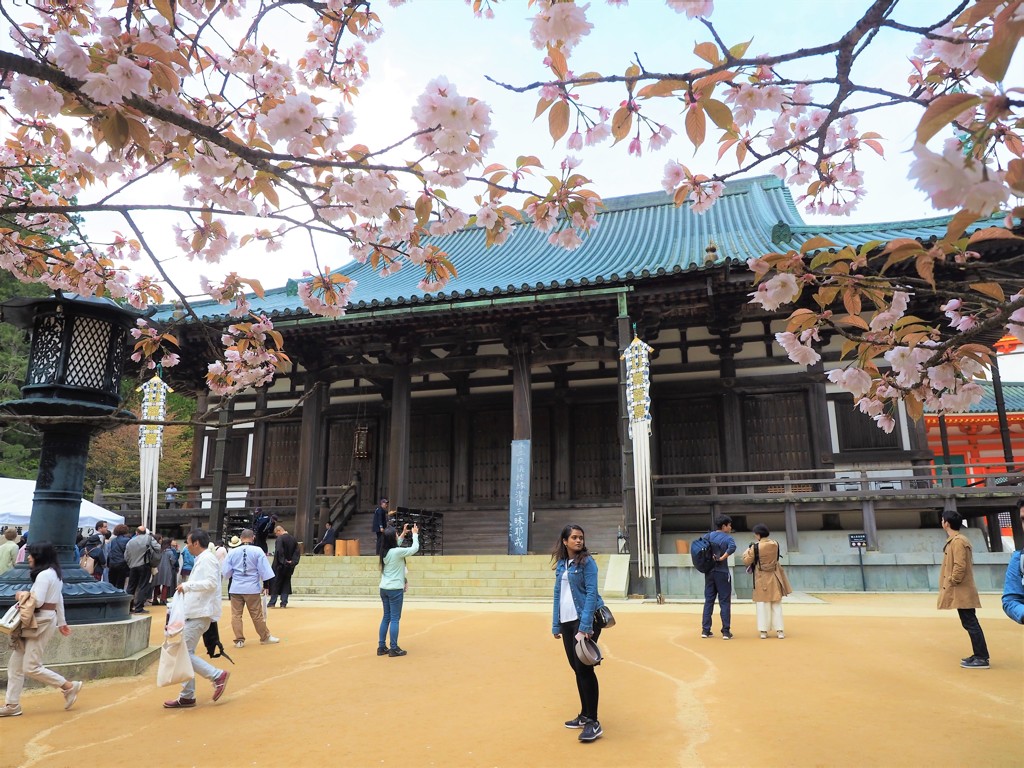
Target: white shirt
48, 588
202, 590
566, 607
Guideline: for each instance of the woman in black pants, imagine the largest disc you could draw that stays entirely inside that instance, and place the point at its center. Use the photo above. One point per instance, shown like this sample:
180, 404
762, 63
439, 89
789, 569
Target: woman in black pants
576, 602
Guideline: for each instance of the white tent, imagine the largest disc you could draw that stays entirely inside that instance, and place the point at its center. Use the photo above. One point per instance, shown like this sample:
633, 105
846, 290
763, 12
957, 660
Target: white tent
16, 506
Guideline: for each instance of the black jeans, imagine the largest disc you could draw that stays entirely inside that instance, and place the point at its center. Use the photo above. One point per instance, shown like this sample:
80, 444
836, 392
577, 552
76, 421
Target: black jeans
138, 586
586, 676
281, 584
969, 620
717, 584
119, 575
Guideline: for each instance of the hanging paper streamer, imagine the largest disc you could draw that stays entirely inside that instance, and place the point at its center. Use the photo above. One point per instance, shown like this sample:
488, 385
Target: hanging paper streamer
151, 440
638, 405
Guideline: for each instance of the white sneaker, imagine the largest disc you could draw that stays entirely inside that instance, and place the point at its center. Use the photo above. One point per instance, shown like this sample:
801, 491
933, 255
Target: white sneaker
239, 643
782, 635
270, 640
70, 696
764, 635
10, 710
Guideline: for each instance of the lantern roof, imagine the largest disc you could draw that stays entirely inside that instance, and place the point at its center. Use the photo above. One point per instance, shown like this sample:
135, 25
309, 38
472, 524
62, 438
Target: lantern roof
21, 310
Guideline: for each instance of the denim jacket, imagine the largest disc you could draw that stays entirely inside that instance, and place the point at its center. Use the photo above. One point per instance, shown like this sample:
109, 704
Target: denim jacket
583, 586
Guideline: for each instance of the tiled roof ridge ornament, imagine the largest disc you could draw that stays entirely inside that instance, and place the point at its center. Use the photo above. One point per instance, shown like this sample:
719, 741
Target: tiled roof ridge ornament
711, 252
782, 233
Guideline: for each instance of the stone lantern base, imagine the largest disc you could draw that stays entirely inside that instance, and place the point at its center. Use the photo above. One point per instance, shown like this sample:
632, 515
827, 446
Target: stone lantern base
94, 651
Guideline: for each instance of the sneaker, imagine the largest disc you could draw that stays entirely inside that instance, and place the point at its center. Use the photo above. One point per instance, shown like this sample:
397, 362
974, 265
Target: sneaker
270, 640
975, 663
220, 684
382, 650
781, 635
764, 635
71, 695
396, 651
706, 634
727, 635
239, 643
577, 722
964, 661
591, 731
179, 703
10, 710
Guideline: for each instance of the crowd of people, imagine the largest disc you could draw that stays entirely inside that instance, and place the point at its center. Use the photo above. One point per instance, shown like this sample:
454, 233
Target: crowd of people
156, 568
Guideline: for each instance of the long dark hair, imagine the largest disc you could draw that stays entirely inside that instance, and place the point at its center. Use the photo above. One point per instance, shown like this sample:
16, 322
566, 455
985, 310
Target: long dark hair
561, 552
44, 555
388, 541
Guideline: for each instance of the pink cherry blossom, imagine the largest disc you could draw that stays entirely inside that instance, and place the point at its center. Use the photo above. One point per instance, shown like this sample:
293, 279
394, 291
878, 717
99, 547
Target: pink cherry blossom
773, 293
560, 24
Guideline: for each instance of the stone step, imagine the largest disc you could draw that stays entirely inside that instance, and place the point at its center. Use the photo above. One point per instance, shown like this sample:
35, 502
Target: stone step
476, 576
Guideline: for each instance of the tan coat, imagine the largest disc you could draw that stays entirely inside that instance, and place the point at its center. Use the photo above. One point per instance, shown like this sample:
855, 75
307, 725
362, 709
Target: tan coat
956, 577
770, 582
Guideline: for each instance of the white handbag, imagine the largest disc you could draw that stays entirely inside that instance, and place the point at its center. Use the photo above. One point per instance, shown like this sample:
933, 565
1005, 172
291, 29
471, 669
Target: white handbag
11, 620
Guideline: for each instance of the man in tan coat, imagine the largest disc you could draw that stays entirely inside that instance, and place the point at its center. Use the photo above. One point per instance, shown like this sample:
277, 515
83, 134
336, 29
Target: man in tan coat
957, 590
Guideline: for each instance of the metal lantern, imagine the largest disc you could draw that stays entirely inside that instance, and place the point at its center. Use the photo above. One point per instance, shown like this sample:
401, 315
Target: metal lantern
74, 370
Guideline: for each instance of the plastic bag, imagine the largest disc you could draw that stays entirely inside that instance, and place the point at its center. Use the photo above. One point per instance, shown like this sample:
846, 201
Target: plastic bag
175, 665
175, 616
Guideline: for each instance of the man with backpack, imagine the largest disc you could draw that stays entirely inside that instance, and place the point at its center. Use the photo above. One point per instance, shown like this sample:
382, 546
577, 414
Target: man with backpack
262, 525
718, 580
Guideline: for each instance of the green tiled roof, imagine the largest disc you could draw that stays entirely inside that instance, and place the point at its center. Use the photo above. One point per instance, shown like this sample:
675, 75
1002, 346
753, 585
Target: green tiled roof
639, 236
1013, 398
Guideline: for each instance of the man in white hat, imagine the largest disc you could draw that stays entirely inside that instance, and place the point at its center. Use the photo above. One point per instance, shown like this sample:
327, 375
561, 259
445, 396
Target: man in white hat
247, 567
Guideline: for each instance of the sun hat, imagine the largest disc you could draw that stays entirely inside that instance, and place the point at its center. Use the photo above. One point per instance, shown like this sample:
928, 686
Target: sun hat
234, 542
588, 652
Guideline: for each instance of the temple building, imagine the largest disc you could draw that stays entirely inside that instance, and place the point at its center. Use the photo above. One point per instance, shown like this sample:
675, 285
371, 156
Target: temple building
419, 397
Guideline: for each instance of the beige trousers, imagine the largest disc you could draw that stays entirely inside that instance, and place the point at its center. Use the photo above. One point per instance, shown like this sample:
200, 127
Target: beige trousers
255, 606
769, 616
28, 662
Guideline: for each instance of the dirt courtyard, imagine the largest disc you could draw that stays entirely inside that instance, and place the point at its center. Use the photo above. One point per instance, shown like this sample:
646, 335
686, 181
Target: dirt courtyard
860, 680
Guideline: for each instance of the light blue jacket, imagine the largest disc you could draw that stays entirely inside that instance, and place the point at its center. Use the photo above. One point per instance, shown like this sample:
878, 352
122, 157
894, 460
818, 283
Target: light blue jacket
583, 586
393, 575
1013, 590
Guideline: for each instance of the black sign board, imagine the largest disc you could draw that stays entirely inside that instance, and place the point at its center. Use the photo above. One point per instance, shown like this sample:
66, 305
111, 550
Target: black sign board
858, 540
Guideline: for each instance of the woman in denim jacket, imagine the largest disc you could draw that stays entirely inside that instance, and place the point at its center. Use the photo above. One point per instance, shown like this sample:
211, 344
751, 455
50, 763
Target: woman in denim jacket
576, 601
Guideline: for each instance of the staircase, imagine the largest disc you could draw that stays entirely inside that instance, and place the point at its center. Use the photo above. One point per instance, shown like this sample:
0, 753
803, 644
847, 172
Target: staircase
456, 577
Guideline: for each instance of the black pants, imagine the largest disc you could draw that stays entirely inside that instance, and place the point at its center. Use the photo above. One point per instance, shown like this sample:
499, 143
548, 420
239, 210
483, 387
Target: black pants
281, 586
138, 586
969, 620
119, 575
586, 676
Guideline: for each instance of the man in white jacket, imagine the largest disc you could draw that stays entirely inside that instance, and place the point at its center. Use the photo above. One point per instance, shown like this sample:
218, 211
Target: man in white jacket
202, 596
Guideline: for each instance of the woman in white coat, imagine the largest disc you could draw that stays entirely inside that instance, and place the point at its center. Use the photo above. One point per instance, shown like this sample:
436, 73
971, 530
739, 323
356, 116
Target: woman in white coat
27, 658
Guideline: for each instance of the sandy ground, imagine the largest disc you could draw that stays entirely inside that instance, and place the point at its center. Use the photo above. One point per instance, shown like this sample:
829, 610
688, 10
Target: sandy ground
860, 680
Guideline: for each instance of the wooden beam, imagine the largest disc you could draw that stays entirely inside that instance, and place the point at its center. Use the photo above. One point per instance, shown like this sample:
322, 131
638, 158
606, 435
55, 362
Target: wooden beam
398, 449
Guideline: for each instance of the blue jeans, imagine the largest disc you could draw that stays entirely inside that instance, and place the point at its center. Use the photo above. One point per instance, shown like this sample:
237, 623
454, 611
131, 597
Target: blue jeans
193, 632
717, 584
392, 600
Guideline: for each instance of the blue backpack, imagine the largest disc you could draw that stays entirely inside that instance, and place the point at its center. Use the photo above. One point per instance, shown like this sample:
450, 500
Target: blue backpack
702, 555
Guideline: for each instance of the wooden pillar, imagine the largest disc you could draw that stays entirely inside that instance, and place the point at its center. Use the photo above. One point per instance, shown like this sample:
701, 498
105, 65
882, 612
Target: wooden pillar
522, 399
870, 527
259, 439
625, 333
197, 469
792, 536
311, 461
219, 494
561, 475
460, 452
398, 450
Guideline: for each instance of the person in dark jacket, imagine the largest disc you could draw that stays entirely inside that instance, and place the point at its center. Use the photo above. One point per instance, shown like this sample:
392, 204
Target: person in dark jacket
718, 581
93, 547
380, 521
286, 557
116, 563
